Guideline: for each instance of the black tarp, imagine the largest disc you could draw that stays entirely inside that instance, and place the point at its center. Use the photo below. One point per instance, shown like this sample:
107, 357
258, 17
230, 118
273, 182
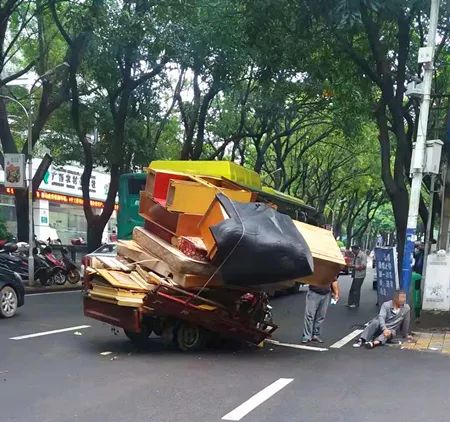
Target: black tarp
258, 245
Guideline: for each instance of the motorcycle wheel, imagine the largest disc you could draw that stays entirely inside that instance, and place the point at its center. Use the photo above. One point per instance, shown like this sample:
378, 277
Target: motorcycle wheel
73, 276
59, 278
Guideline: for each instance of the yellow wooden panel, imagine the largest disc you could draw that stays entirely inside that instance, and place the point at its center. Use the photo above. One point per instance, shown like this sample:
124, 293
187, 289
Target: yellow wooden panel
195, 198
226, 169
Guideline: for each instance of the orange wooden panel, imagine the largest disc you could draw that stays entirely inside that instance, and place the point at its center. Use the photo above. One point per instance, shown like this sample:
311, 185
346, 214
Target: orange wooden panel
179, 224
214, 215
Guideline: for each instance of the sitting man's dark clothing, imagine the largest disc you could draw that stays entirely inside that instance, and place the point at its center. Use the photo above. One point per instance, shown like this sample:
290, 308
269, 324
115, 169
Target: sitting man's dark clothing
396, 319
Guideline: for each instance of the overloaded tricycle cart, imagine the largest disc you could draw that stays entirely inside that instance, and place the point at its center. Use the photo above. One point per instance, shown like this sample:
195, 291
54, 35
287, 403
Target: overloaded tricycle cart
187, 319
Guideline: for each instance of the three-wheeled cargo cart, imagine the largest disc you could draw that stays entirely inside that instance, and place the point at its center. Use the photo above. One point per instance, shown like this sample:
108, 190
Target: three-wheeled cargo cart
189, 319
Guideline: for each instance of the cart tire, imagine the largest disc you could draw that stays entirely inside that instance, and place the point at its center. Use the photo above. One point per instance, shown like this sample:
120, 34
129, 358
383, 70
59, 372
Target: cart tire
141, 337
190, 338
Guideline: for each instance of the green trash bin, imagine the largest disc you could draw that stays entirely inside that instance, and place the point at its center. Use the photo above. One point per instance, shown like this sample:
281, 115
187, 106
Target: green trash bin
417, 300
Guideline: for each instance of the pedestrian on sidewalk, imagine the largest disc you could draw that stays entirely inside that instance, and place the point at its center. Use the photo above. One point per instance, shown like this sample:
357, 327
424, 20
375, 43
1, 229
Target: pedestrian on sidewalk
317, 301
358, 274
394, 317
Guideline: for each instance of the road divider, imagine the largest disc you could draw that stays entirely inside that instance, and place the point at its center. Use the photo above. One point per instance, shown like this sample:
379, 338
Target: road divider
256, 400
46, 333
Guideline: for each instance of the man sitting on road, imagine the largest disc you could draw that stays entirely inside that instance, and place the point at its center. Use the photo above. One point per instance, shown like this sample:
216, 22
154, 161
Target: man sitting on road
317, 301
394, 316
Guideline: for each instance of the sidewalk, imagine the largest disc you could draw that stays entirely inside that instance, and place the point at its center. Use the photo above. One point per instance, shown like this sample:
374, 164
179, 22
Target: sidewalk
48, 289
429, 342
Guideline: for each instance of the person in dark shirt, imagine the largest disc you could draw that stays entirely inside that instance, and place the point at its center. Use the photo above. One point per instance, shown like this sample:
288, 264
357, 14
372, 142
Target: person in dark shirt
317, 301
418, 258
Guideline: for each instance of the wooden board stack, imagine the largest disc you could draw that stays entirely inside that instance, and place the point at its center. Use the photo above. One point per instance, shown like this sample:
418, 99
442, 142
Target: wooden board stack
176, 246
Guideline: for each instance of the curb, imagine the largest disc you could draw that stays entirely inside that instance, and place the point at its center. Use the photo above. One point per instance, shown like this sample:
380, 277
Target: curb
32, 290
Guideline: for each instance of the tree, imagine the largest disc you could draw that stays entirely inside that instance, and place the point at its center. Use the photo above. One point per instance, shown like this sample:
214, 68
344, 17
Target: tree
126, 51
26, 45
380, 41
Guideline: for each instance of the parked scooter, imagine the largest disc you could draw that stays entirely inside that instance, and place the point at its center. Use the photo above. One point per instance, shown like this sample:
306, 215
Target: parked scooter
59, 276
73, 275
67, 269
18, 262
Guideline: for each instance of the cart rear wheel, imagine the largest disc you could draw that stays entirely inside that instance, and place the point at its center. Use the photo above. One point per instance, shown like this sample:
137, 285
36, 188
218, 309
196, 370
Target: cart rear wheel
190, 337
141, 337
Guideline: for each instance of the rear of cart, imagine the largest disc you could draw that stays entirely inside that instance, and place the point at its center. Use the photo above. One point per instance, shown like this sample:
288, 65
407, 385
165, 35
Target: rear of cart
187, 319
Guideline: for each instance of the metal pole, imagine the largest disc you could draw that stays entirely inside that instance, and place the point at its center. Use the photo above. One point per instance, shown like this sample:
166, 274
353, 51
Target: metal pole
419, 156
30, 195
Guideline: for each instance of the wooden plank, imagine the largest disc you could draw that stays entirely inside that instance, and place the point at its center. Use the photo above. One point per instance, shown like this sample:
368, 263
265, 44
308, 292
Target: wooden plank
157, 183
146, 261
120, 280
324, 272
175, 259
112, 263
213, 216
176, 223
321, 242
135, 253
195, 198
190, 281
158, 230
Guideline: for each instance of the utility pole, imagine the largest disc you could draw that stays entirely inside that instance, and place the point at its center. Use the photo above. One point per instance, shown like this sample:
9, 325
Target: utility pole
426, 56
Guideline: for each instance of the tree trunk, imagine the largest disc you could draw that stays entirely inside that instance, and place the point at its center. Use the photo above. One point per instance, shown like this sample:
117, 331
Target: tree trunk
445, 222
21, 196
95, 227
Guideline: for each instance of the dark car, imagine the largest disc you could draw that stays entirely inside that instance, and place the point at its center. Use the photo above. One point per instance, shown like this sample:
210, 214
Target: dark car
12, 293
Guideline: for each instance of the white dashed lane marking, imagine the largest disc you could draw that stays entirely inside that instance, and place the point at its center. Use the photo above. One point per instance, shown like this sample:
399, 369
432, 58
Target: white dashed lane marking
46, 333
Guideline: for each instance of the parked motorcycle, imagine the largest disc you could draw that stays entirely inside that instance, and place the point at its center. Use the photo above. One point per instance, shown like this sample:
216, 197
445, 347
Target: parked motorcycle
67, 269
73, 275
59, 276
16, 261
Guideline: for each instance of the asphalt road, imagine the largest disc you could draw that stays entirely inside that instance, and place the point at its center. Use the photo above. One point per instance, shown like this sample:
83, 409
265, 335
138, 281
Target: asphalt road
64, 376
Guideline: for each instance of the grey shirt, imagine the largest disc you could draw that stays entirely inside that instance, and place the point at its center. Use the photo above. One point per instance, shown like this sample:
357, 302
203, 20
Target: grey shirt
395, 321
360, 260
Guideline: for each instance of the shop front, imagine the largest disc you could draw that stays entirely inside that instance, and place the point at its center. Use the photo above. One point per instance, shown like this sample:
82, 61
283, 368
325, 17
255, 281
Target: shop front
58, 206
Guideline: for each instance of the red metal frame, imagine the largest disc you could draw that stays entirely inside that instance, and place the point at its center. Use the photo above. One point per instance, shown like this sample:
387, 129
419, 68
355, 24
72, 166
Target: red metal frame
178, 304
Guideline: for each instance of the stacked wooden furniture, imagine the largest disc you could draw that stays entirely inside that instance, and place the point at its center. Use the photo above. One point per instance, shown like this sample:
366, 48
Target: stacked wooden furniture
176, 246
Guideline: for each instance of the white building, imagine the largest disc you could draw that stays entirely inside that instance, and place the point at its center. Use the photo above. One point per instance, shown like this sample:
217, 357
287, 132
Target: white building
58, 208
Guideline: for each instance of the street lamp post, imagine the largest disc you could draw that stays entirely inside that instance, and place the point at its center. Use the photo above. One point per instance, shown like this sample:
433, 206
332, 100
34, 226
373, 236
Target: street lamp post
417, 163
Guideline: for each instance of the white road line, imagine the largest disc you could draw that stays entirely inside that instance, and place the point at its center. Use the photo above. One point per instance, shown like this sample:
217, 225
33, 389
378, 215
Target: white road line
46, 333
52, 293
259, 398
297, 346
346, 339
